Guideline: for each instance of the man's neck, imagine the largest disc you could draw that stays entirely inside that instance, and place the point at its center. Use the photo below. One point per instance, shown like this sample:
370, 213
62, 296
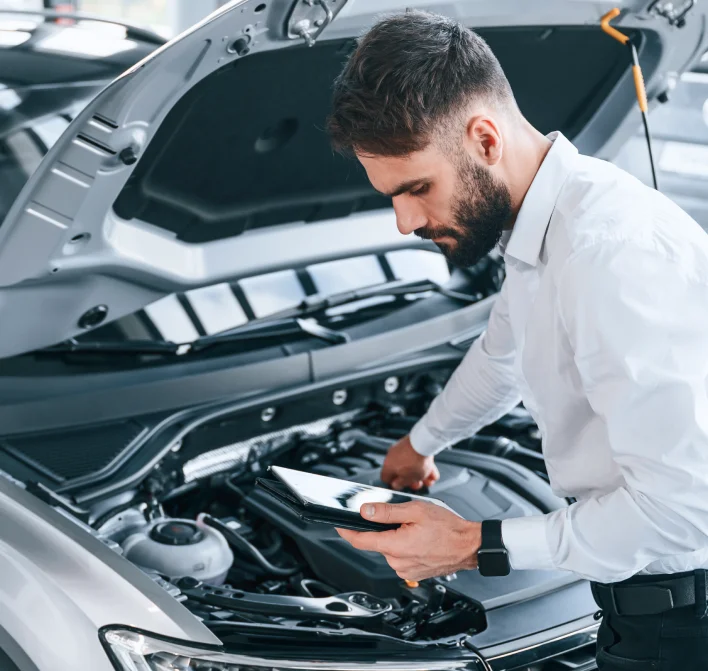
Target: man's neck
524, 155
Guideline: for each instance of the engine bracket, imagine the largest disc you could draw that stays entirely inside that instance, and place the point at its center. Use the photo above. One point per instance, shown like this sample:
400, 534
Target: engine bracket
350, 606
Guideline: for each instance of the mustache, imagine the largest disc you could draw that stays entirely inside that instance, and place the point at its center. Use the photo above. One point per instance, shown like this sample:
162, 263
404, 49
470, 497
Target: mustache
431, 233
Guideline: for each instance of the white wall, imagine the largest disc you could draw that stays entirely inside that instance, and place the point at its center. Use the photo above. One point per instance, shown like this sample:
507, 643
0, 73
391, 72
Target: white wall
185, 13
167, 17
32, 5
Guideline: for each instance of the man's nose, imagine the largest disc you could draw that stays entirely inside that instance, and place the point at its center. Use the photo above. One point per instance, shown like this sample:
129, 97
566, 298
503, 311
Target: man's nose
409, 216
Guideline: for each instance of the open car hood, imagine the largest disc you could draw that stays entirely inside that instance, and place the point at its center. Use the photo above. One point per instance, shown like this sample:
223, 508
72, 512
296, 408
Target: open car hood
202, 163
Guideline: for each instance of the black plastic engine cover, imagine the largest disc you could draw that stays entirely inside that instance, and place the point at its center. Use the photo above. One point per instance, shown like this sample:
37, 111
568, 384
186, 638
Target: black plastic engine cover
471, 494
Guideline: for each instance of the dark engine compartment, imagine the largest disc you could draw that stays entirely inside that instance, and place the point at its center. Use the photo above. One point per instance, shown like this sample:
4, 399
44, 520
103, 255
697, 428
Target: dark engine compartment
233, 554
467, 491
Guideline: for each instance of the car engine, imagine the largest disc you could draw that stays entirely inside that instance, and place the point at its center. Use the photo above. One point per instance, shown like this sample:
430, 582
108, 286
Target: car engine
232, 553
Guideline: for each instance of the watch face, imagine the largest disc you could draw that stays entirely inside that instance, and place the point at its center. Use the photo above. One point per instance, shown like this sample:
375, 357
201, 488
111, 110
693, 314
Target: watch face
493, 562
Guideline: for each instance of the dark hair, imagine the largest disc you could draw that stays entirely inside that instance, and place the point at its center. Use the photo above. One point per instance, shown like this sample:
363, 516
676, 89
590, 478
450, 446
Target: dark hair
408, 74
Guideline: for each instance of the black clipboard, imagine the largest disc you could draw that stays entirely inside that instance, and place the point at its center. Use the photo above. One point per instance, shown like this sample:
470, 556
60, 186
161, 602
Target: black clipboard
318, 514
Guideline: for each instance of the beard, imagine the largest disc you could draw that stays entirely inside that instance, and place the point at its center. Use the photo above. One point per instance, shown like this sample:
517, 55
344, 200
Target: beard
480, 214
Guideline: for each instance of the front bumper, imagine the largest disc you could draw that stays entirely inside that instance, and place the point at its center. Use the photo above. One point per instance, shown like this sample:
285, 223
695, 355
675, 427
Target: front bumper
575, 639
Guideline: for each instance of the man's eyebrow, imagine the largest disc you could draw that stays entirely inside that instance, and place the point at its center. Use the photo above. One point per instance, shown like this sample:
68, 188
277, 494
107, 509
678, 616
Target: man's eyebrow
405, 186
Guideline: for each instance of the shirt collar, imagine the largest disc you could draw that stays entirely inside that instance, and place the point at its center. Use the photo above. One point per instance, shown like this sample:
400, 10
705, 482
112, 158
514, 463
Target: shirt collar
535, 214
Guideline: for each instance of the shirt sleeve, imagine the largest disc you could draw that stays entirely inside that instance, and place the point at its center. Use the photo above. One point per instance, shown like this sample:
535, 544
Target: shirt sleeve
637, 322
480, 391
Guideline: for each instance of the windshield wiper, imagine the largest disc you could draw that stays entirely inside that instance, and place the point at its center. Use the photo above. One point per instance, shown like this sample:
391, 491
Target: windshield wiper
317, 303
270, 328
288, 322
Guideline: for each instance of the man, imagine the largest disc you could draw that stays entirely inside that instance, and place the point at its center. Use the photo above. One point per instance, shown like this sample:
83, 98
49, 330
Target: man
601, 328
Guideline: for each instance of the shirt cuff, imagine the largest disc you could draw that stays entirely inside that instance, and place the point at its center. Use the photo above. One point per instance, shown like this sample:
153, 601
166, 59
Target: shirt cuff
525, 541
424, 442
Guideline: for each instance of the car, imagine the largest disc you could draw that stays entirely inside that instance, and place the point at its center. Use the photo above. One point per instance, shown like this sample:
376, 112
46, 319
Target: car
679, 127
195, 287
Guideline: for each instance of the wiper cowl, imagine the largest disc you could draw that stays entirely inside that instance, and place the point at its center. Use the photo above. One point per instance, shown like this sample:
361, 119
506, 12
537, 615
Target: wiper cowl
317, 304
271, 328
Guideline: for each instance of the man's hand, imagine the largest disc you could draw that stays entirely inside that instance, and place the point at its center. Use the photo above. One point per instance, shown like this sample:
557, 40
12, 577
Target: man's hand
431, 541
404, 467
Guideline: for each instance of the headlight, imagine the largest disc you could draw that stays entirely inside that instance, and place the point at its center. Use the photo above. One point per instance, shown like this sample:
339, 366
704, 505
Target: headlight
133, 651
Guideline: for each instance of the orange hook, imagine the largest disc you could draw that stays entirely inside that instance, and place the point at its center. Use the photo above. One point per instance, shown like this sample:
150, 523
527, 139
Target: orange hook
636, 70
613, 32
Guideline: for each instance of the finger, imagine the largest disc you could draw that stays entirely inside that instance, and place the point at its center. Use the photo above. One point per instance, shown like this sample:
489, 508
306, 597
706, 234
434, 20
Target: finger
387, 473
415, 574
347, 534
409, 575
369, 541
395, 563
400, 565
432, 477
397, 483
418, 484
392, 513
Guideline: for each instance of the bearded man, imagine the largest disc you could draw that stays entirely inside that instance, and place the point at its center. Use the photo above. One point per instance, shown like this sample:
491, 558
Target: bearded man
601, 328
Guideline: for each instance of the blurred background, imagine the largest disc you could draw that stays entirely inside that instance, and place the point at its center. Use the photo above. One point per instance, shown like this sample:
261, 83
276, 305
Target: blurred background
165, 17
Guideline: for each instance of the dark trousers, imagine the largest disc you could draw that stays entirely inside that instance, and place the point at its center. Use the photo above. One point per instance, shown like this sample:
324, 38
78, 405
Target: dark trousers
675, 640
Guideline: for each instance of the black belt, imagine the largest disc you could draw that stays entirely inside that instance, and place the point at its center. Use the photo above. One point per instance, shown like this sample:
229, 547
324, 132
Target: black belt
651, 595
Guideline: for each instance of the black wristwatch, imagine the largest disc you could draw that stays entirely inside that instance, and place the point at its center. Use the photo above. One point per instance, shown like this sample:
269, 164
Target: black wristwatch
492, 558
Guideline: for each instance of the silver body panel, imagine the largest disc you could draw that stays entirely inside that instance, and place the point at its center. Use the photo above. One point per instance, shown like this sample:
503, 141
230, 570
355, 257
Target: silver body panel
59, 585
63, 251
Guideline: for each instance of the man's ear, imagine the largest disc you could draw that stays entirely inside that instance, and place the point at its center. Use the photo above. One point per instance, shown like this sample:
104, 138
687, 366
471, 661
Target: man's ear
483, 139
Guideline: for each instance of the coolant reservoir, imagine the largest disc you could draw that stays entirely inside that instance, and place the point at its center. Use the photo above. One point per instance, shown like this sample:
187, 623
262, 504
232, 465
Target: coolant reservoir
178, 548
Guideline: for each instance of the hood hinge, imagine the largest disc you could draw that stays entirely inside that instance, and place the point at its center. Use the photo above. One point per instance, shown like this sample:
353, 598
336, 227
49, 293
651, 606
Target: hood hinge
674, 13
309, 18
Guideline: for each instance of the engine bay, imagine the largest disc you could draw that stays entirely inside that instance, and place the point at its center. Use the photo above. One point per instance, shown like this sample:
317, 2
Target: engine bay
232, 554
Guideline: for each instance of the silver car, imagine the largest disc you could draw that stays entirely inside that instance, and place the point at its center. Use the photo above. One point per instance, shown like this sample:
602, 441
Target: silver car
194, 287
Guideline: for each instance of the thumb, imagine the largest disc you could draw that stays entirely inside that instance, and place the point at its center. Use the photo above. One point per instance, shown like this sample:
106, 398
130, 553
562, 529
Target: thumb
391, 513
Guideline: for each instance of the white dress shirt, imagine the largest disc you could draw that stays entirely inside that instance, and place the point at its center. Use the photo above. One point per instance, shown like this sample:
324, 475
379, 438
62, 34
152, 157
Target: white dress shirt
601, 328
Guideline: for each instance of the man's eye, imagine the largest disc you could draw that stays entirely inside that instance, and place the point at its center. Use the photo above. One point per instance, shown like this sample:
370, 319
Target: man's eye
421, 190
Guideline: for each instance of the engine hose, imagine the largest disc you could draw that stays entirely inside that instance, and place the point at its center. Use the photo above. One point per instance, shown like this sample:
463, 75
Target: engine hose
276, 543
305, 586
508, 449
235, 489
238, 542
352, 436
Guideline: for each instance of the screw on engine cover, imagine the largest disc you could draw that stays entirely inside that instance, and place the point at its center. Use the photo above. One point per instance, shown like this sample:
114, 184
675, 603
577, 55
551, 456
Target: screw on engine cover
391, 385
340, 397
267, 414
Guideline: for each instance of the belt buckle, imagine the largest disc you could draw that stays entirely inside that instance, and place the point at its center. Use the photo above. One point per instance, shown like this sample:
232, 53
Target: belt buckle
613, 601
645, 600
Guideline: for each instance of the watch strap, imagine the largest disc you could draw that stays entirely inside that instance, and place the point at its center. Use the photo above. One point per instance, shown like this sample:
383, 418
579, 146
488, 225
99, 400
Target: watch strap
492, 535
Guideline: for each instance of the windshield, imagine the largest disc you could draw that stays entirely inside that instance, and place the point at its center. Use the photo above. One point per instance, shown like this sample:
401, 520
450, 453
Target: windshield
207, 311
